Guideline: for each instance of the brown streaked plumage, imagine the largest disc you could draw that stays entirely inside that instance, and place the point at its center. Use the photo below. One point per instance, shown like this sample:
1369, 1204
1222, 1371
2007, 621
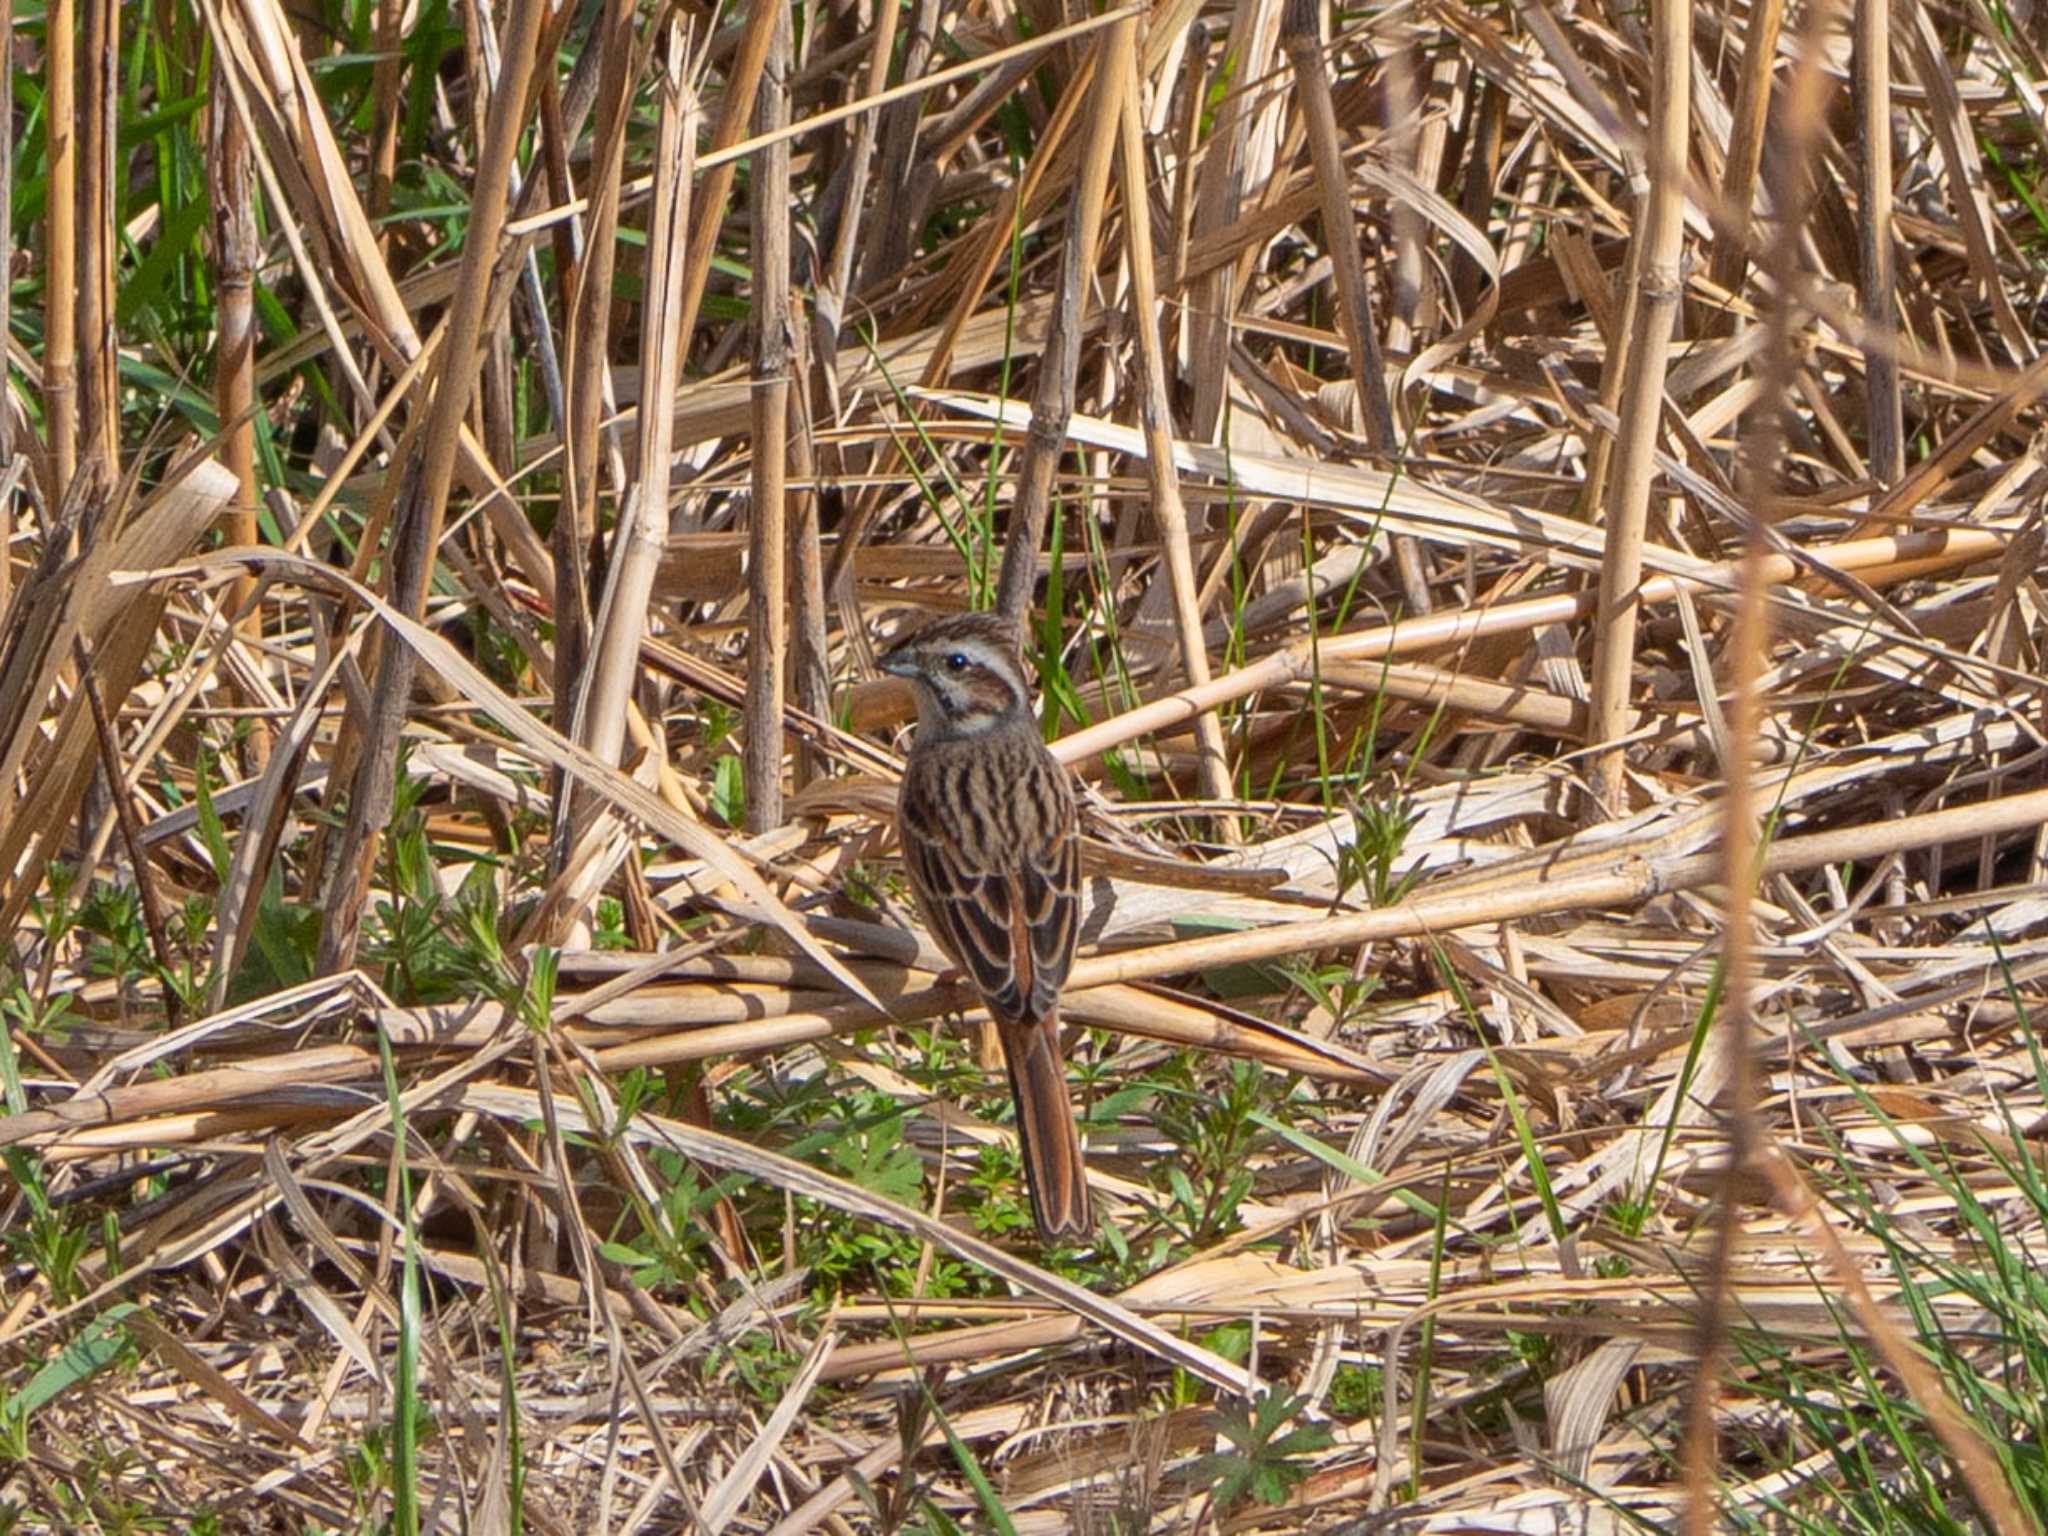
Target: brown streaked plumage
988, 826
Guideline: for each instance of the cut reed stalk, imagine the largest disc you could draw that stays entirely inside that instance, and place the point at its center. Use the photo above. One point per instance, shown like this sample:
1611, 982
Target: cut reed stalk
810, 659
384, 77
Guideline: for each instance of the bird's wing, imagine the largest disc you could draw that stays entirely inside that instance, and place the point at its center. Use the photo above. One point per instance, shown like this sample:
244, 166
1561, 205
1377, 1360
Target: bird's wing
1006, 909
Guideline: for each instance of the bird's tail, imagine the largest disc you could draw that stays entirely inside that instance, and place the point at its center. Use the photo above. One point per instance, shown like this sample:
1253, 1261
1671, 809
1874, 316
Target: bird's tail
1053, 1170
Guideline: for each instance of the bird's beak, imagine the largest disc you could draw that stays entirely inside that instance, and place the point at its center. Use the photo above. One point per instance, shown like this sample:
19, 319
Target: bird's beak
898, 666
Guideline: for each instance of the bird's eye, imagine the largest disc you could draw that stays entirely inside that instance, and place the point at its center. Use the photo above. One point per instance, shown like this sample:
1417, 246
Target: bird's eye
957, 662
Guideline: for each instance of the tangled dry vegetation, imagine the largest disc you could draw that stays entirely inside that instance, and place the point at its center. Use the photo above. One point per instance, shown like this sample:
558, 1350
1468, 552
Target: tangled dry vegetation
1527, 519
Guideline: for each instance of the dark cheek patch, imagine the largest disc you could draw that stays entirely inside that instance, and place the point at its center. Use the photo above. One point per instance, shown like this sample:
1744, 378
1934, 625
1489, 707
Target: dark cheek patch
984, 692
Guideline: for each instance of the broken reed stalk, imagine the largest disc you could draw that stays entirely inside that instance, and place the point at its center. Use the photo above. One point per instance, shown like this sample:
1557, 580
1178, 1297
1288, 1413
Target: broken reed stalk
231, 183
1169, 513
1912, 554
1053, 403
423, 502
770, 324
1884, 405
60, 247
1660, 233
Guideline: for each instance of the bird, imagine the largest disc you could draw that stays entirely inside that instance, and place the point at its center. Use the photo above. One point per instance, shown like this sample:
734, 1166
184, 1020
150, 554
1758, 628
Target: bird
991, 842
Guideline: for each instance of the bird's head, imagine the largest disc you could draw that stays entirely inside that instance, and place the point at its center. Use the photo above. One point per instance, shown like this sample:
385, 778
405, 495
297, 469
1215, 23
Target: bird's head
965, 671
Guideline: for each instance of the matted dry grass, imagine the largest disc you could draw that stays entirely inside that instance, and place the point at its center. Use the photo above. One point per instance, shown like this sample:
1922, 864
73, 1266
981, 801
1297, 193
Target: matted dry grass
1606, 741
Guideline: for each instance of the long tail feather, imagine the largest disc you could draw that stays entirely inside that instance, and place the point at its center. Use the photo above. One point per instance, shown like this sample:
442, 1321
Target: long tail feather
1053, 1170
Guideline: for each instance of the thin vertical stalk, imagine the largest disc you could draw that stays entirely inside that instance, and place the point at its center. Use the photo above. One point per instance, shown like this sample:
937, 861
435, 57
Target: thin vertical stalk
99, 411
1751, 1158
1747, 647
1190, 100
642, 533
1168, 512
6, 291
231, 183
1301, 36
131, 832
384, 99
1487, 114
891, 240
1658, 288
742, 81
1052, 405
1402, 106
1879, 282
589, 309
1219, 202
60, 249
423, 502
1746, 142
837, 280
767, 555
810, 670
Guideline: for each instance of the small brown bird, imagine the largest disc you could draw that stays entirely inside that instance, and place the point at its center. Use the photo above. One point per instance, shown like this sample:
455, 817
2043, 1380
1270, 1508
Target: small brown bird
988, 827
